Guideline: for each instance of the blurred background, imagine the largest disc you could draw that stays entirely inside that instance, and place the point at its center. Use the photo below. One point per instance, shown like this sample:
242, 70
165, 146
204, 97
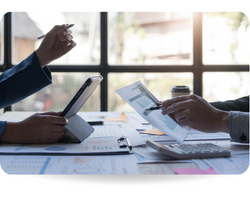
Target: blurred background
136, 44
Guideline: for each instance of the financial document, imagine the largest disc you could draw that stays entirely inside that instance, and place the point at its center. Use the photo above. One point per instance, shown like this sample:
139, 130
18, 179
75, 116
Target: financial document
122, 164
231, 165
87, 147
138, 96
104, 132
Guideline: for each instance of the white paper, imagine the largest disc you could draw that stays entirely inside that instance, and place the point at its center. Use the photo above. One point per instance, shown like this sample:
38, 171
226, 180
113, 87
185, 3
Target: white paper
122, 164
137, 96
133, 135
236, 164
88, 146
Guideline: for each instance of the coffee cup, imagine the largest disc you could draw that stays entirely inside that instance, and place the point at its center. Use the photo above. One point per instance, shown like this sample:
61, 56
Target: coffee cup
180, 90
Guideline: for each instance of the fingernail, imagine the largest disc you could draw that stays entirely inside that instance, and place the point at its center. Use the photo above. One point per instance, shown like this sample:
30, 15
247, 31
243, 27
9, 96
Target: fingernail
67, 121
73, 44
69, 37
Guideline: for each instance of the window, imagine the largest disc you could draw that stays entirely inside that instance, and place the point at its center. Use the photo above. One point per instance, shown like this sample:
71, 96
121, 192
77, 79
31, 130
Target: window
218, 86
226, 49
159, 84
162, 49
225, 39
161, 38
28, 26
57, 95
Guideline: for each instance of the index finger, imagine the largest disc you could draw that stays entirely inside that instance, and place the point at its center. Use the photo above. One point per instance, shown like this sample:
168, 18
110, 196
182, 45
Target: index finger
58, 120
52, 113
68, 26
177, 99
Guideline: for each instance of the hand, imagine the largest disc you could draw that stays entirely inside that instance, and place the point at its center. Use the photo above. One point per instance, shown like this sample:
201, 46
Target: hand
197, 113
55, 44
39, 128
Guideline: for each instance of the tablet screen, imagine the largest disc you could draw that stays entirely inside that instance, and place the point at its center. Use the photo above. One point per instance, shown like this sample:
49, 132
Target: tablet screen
81, 96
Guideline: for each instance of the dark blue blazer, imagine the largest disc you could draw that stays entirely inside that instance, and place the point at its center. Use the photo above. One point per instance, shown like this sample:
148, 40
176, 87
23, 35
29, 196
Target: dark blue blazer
21, 81
241, 104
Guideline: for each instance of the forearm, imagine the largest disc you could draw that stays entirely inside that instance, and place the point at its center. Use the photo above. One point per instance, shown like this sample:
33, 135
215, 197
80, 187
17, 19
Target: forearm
223, 122
7, 134
41, 58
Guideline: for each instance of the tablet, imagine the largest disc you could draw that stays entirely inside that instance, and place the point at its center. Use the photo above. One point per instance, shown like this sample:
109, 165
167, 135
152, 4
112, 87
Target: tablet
77, 128
81, 96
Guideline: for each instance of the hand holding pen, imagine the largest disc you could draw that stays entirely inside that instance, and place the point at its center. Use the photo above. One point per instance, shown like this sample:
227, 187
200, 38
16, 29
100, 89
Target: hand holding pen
56, 43
65, 28
156, 108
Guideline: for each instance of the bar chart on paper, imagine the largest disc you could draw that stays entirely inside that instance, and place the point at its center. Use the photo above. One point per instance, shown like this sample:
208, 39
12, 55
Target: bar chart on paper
114, 164
27, 165
171, 124
104, 133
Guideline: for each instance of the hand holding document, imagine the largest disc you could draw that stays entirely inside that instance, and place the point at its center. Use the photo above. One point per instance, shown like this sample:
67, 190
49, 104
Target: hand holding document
138, 96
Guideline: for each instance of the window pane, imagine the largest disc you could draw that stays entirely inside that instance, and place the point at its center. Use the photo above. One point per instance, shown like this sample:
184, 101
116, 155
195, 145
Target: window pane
1, 40
226, 38
56, 96
222, 86
159, 84
163, 38
86, 32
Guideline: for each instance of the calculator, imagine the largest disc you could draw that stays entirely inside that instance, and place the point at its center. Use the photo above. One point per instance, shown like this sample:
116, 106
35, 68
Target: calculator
187, 151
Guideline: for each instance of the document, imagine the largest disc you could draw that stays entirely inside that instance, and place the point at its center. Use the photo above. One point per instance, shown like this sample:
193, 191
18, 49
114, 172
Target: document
133, 136
92, 146
128, 120
137, 96
121, 164
194, 136
121, 118
236, 164
153, 132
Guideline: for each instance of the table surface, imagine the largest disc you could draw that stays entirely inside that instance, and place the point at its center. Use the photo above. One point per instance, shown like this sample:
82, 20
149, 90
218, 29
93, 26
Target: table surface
148, 168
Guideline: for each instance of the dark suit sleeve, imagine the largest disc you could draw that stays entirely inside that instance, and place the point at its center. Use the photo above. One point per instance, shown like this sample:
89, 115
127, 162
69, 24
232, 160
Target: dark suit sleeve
22, 80
241, 104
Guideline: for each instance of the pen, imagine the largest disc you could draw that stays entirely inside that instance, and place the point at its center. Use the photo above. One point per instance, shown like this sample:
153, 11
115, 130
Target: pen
156, 108
96, 123
129, 145
66, 27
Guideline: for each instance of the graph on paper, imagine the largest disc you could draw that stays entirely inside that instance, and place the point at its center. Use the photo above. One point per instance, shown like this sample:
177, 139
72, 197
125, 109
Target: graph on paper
27, 165
104, 133
137, 96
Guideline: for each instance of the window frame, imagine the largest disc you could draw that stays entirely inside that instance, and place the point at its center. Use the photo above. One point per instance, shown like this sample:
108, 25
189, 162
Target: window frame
197, 68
